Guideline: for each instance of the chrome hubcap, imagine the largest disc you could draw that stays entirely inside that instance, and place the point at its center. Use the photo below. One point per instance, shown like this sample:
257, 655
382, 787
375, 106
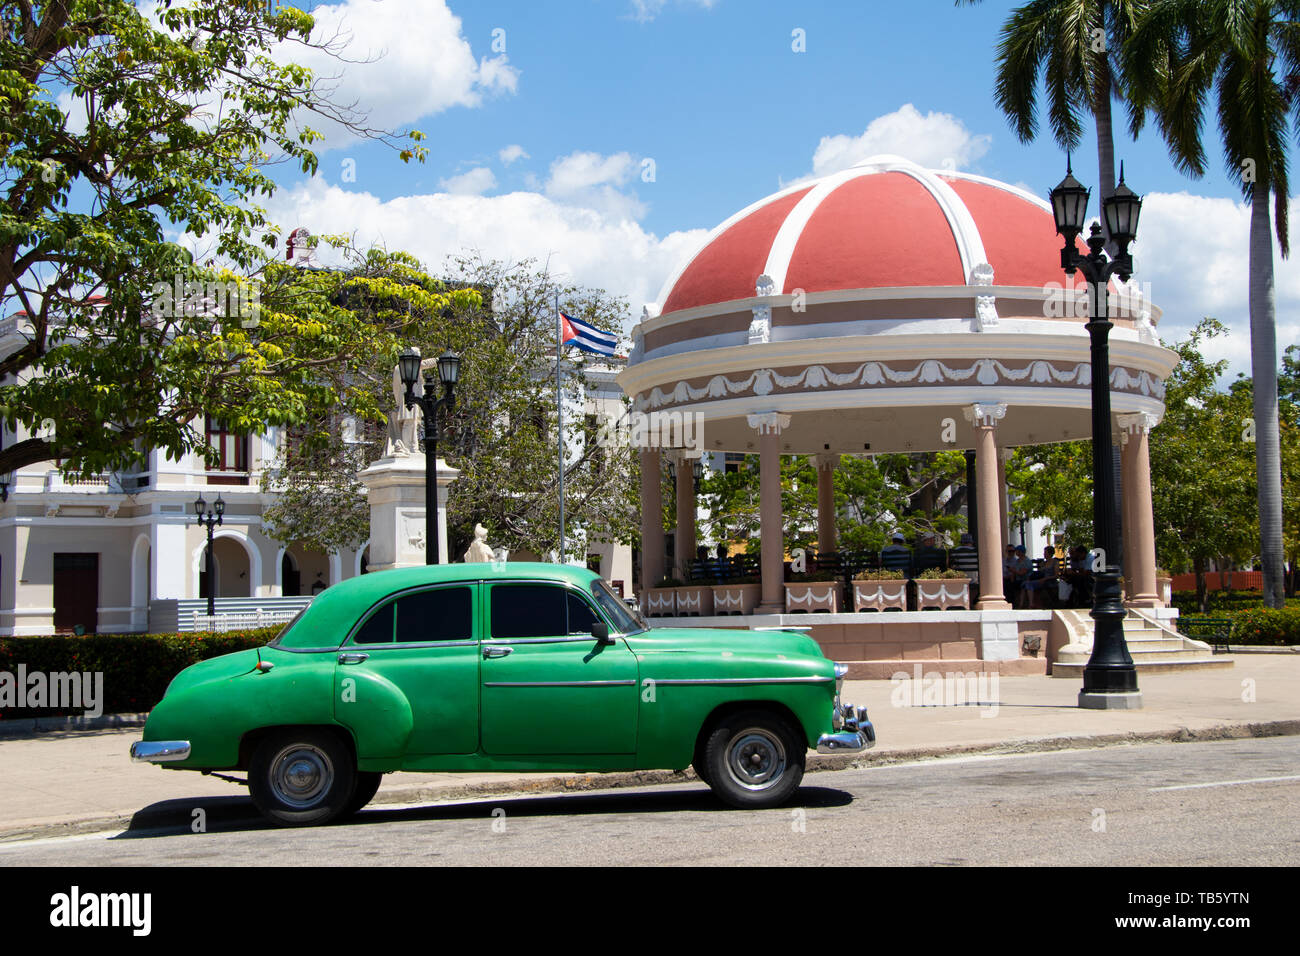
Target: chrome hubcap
755, 759
301, 775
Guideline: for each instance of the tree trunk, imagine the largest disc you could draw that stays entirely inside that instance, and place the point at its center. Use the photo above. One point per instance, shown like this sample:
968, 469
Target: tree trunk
1263, 370
1105, 136
1202, 587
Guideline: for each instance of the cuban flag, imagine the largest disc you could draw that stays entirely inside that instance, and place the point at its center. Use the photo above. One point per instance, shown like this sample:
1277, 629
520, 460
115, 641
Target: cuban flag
586, 337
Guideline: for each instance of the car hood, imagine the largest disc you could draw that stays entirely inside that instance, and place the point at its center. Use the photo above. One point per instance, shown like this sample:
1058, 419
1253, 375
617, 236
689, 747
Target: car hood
214, 669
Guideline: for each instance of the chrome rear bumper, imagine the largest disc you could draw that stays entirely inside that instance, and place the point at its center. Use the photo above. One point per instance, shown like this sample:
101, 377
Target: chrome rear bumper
160, 751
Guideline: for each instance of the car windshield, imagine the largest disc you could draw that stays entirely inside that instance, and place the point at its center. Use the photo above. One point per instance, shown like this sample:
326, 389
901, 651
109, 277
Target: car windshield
627, 620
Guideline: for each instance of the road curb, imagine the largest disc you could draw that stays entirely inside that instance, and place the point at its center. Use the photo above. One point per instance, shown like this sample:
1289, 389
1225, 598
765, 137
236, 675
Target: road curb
577, 783
33, 726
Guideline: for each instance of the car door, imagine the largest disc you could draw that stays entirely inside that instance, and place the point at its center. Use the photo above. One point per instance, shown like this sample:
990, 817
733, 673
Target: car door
417, 650
549, 687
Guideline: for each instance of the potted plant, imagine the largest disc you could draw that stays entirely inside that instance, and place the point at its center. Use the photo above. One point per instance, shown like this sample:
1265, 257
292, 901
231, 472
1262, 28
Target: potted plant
661, 600
811, 591
1165, 586
879, 591
942, 590
738, 596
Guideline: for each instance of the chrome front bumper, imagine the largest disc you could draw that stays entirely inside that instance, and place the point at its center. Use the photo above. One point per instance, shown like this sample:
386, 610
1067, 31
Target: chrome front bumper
160, 751
854, 734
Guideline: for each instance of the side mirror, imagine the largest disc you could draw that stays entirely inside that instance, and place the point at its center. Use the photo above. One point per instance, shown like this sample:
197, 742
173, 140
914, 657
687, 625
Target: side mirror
600, 631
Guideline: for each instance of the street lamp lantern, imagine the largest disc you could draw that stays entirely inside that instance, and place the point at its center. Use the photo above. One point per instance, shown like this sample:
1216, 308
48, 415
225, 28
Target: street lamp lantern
219, 507
200, 506
697, 469
449, 369
6, 479
1110, 677
448, 363
1070, 206
1121, 211
408, 364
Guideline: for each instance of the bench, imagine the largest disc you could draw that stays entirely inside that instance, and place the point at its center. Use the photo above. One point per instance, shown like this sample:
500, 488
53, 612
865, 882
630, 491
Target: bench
1215, 631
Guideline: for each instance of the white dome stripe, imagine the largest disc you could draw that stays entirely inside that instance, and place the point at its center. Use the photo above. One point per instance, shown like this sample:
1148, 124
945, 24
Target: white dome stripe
787, 237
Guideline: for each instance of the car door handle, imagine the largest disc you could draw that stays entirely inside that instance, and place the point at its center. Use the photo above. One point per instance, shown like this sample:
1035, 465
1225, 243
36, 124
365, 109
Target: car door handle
352, 658
497, 651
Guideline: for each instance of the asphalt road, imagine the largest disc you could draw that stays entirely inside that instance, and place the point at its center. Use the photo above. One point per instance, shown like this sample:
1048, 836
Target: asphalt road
1228, 803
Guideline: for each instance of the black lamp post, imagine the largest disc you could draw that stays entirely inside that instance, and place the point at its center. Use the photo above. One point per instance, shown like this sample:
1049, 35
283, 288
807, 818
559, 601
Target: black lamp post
6, 480
209, 518
1109, 679
448, 373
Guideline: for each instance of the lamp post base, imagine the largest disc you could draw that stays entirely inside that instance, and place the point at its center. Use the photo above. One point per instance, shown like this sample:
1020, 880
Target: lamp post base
1110, 700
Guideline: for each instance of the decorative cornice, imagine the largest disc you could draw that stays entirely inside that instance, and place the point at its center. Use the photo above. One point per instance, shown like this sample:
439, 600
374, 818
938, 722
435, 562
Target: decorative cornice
985, 372
985, 414
827, 459
769, 423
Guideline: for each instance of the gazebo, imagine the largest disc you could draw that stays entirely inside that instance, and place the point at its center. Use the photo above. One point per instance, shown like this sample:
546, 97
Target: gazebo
891, 308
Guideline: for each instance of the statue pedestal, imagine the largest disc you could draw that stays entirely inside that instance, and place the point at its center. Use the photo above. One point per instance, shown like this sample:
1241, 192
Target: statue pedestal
395, 490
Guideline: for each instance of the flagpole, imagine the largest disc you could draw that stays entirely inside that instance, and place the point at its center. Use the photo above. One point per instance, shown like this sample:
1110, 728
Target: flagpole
559, 403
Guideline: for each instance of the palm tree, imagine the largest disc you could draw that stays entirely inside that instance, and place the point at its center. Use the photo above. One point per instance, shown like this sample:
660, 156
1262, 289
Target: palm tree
1246, 54
1068, 44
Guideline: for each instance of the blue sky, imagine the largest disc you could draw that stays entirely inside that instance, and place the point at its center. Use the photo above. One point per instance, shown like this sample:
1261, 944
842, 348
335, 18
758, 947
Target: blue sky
585, 93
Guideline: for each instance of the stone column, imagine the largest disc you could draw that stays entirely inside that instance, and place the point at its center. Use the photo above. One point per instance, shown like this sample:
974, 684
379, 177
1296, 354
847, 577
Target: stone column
1127, 536
769, 426
1005, 520
985, 416
826, 534
685, 461
1140, 526
652, 522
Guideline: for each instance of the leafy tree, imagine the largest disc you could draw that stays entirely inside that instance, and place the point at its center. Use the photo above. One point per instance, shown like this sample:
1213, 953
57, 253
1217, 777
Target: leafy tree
1071, 47
501, 434
1245, 54
115, 129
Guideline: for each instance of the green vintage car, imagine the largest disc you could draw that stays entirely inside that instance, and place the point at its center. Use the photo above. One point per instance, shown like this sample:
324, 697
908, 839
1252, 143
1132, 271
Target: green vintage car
490, 667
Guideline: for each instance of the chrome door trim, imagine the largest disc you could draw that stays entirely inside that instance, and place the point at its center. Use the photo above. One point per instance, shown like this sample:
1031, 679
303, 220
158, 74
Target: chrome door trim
492, 652
570, 639
389, 645
743, 680
561, 683
352, 657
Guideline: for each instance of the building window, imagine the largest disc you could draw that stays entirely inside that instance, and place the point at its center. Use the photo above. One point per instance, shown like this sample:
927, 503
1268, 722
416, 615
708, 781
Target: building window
232, 453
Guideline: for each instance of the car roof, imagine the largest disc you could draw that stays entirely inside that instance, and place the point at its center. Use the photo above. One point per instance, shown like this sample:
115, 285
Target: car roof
338, 606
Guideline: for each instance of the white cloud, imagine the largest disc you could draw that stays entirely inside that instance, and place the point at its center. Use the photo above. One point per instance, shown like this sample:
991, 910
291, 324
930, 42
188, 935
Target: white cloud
417, 63
474, 182
613, 253
593, 180
935, 140
512, 153
1193, 256
643, 11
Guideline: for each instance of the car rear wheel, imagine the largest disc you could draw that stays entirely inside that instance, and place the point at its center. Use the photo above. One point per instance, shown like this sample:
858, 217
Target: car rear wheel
754, 759
302, 777
367, 787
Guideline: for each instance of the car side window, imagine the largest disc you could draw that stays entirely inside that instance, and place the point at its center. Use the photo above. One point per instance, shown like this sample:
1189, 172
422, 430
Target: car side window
581, 617
528, 610
440, 614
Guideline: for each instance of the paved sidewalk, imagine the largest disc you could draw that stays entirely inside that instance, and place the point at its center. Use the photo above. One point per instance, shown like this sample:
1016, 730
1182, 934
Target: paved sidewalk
70, 781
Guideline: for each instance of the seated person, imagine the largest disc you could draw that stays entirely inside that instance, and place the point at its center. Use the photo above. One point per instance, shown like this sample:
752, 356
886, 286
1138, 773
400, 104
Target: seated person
897, 556
1012, 576
1041, 582
1079, 576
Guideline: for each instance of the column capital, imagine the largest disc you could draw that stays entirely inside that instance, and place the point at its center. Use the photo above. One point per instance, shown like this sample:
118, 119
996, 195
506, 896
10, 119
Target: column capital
826, 459
679, 455
769, 423
985, 414
1132, 424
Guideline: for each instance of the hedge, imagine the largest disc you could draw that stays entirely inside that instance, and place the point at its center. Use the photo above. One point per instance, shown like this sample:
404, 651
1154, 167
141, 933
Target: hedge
1259, 625
137, 667
1217, 600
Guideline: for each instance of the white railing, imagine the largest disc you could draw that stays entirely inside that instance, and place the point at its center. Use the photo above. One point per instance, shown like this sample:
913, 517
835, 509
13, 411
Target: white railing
242, 620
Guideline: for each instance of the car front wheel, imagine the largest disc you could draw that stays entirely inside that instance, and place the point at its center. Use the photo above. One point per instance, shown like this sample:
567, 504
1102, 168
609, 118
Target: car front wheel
755, 759
302, 777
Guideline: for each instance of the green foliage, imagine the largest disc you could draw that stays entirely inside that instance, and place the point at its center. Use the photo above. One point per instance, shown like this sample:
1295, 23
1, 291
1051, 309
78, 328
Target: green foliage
167, 127
137, 667
938, 574
880, 575
669, 583
1267, 626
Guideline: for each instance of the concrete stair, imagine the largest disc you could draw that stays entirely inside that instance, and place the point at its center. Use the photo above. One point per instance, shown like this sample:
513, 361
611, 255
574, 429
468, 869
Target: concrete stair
1154, 649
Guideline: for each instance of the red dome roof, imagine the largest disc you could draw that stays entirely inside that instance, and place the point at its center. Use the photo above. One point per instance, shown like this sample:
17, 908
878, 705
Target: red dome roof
885, 223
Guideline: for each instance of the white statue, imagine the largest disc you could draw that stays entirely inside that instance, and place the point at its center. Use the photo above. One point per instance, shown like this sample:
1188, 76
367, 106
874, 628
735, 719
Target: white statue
479, 550
403, 422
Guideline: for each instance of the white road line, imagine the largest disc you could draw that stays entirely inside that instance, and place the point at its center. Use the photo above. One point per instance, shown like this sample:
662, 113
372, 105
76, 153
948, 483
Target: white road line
1226, 783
